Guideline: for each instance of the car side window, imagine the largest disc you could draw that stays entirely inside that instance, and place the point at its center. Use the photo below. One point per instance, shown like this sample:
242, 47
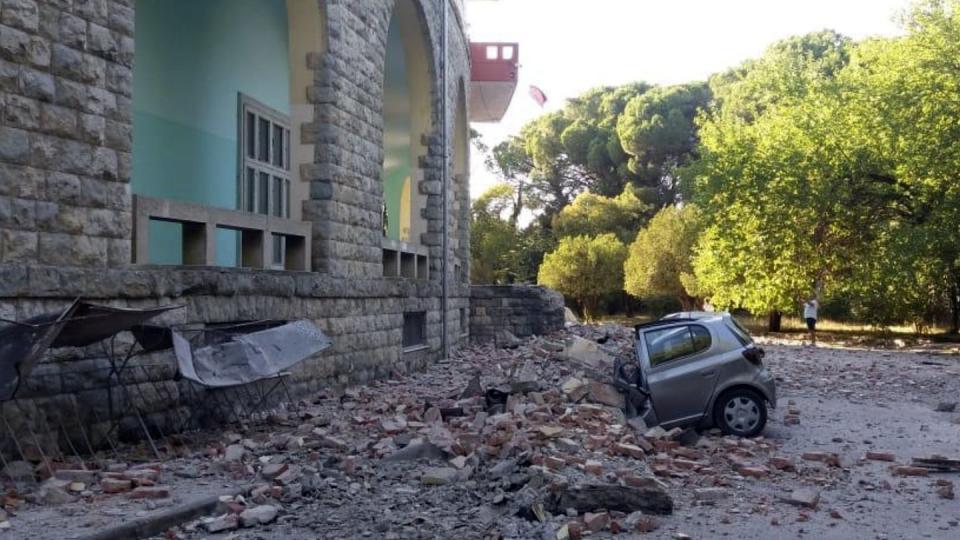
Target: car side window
671, 343
701, 338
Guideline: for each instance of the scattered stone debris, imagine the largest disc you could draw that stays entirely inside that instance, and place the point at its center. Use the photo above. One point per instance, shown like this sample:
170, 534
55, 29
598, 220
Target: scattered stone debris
806, 498
521, 439
944, 489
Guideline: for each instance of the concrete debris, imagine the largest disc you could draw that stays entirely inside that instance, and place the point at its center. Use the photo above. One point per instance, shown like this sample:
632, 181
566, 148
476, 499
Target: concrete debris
944, 489
504, 443
234, 453
258, 515
438, 476
588, 354
806, 498
606, 394
594, 497
226, 522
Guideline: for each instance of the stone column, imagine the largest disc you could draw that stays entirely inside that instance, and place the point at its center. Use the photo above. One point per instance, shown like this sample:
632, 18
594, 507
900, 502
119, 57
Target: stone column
66, 79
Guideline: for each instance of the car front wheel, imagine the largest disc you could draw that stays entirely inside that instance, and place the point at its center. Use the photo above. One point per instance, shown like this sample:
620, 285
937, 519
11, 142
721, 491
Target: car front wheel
741, 412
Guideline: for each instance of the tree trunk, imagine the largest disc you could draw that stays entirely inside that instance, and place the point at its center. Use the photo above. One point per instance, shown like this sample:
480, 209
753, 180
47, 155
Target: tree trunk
517, 206
955, 306
773, 321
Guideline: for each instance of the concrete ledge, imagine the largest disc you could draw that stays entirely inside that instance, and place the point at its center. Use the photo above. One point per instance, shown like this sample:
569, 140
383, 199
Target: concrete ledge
161, 521
200, 224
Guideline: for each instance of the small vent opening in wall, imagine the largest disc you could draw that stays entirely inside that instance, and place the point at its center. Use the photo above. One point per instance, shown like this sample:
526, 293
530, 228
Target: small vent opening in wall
414, 329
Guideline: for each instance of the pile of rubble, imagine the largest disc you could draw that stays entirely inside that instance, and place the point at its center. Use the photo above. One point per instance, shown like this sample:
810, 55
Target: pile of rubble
525, 439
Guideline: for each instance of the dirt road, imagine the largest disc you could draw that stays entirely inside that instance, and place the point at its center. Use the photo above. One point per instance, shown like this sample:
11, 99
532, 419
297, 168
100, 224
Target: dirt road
851, 402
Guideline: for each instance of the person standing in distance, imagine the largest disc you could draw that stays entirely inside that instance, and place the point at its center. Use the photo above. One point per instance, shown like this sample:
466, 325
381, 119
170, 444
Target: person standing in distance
810, 316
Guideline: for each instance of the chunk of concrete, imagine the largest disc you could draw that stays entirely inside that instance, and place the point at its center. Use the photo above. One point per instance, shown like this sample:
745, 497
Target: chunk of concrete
804, 497
438, 476
258, 515
588, 353
606, 394
600, 497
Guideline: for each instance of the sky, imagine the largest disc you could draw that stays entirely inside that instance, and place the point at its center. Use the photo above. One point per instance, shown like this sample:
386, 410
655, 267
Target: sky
570, 46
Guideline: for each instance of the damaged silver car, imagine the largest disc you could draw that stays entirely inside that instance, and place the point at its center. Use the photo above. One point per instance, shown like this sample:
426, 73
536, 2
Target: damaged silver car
697, 369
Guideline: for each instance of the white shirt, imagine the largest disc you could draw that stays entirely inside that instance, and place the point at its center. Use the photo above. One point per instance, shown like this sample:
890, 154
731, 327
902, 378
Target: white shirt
810, 309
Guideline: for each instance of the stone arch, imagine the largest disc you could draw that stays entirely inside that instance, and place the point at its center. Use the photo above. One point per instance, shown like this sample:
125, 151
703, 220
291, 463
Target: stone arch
308, 38
408, 121
460, 185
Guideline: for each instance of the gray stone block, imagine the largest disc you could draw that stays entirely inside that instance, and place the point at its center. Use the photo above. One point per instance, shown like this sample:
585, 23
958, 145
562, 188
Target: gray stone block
14, 145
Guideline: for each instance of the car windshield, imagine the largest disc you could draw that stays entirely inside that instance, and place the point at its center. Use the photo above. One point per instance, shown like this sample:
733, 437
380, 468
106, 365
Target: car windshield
740, 332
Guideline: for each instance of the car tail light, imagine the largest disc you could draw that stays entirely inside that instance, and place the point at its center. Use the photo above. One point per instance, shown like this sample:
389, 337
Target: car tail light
754, 355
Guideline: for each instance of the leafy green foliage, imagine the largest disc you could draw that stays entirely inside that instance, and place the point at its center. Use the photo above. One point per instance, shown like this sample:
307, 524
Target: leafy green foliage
585, 269
657, 130
660, 259
500, 253
579, 149
593, 215
824, 165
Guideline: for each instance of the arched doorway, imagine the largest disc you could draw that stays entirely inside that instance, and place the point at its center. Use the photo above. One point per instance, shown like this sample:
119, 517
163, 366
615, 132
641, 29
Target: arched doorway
407, 116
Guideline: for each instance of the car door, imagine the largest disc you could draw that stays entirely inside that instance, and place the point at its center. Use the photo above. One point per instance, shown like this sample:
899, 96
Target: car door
680, 371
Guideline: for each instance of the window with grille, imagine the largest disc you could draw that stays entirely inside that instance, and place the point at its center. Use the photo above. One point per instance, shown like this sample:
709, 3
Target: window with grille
265, 165
414, 329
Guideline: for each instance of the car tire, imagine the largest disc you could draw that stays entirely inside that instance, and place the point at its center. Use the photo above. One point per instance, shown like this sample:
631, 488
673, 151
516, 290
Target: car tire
740, 412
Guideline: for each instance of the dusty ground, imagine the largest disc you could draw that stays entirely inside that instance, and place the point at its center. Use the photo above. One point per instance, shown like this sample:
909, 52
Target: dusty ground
335, 484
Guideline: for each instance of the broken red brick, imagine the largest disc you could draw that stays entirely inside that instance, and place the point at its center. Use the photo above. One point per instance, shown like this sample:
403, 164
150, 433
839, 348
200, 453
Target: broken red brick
143, 477
629, 450
881, 456
150, 493
824, 457
945, 489
781, 464
552, 462
907, 470
593, 467
641, 481
686, 464
113, 485
273, 470
596, 522
754, 472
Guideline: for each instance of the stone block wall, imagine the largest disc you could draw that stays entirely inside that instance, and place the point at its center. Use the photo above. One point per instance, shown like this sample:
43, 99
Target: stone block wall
523, 310
66, 77
66, 81
364, 318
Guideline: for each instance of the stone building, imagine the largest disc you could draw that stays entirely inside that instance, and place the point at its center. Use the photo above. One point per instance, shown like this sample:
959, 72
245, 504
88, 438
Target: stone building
249, 160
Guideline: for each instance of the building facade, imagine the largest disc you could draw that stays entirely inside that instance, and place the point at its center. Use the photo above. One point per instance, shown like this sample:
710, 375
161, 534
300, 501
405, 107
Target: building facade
248, 160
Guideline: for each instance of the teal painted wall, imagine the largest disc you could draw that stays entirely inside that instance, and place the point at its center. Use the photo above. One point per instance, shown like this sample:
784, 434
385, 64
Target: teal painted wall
193, 57
396, 127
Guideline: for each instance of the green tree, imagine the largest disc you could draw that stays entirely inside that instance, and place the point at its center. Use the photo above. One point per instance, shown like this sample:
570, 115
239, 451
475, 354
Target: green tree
592, 215
658, 132
906, 101
660, 260
792, 201
585, 269
493, 239
576, 149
